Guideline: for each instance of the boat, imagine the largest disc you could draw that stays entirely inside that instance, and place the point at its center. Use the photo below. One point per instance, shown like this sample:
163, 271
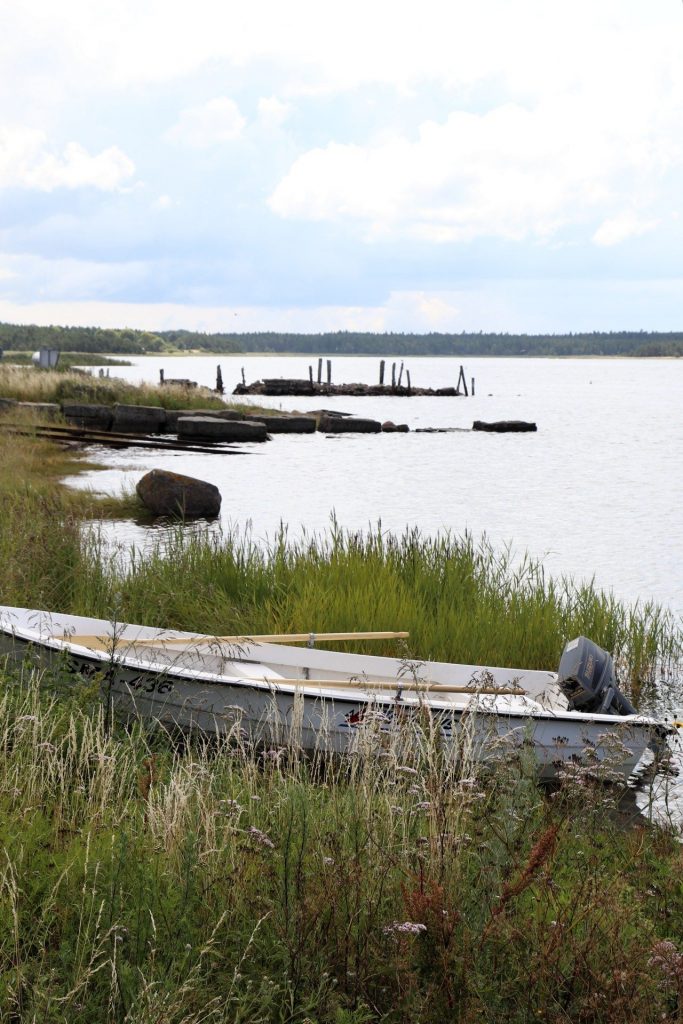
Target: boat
271, 690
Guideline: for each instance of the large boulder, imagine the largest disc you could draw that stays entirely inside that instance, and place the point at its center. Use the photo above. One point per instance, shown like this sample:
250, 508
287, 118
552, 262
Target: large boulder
94, 417
173, 415
172, 494
348, 425
505, 426
208, 428
138, 419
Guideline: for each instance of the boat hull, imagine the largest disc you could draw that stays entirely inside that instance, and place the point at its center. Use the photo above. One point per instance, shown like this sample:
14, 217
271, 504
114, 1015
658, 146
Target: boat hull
181, 693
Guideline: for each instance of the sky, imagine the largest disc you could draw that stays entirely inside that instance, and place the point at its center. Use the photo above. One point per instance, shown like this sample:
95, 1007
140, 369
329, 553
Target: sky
302, 166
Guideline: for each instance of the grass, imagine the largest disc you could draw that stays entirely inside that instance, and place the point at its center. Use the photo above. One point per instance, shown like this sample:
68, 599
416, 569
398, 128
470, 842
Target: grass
66, 359
144, 881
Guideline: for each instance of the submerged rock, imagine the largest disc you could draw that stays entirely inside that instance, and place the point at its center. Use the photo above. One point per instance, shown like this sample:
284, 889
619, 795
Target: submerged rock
172, 494
504, 426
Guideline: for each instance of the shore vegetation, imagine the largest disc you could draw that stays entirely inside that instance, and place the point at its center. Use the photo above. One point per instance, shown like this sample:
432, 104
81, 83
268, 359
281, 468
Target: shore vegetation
148, 878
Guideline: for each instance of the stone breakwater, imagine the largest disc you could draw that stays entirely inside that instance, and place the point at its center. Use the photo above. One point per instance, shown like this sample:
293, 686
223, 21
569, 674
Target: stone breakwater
198, 424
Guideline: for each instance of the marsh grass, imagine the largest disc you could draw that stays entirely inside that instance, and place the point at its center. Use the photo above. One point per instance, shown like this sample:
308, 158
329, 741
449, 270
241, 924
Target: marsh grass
27, 384
145, 881
460, 599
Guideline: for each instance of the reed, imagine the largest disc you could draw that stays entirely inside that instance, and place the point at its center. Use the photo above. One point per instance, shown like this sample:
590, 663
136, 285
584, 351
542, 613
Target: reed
144, 880
460, 599
26, 384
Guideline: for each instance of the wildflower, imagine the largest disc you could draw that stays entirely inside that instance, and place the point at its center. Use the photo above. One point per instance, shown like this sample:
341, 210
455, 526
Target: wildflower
423, 805
260, 837
665, 956
405, 928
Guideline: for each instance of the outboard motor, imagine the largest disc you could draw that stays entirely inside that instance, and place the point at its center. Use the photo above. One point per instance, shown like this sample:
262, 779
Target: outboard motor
588, 680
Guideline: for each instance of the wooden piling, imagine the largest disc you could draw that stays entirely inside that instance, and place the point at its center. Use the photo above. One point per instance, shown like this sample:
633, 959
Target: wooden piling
381, 373
244, 379
473, 387
393, 375
161, 376
463, 381
400, 374
219, 381
310, 375
320, 371
329, 371
408, 379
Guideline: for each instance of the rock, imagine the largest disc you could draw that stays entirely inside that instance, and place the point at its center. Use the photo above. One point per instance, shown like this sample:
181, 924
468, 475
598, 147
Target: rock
172, 494
138, 419
505, 426
209, 428
287, 424
395, 428
48, 410
95, 417
348, 425
173, 415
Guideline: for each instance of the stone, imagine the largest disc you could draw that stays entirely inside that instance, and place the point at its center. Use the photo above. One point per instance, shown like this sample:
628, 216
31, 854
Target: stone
209, 428
173, 494
348, 425
138, 419
95, 417
505, 426
287, 424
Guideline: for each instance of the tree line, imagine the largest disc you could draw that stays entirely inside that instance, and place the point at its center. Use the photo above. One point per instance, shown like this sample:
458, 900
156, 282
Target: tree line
29, 337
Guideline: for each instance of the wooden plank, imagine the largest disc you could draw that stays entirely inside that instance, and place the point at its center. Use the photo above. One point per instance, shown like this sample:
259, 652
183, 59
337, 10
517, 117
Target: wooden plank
100, 643
422, 686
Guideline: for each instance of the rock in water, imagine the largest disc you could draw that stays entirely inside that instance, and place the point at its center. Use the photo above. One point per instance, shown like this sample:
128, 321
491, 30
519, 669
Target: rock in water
172, 494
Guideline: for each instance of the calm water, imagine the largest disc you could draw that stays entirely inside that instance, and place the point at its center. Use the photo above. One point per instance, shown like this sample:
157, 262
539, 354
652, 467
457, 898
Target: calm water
597, 491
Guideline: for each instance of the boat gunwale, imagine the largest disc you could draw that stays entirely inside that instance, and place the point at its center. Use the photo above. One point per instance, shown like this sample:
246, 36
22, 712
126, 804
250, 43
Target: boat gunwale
30, 635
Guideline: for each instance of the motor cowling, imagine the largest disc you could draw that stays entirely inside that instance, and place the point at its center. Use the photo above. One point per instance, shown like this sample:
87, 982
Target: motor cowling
587, 677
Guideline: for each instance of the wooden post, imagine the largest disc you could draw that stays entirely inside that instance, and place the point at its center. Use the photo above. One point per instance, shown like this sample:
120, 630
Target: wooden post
381, 373
244, 379
329, 371
310, 375
393, 375
219, 381
320, 370
400, 374
461, 378
408, 379
473, 387
161, 376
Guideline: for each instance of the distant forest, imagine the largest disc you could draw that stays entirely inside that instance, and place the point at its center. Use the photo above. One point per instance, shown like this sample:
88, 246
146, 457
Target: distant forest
96, 339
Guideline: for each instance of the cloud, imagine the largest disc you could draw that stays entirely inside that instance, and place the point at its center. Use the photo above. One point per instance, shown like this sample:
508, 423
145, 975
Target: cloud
26, 162
273, 111
513, 172
217, 121
623, 226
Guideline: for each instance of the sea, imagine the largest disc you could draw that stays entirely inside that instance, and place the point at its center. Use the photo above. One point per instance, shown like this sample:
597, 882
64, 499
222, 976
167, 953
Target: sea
596, 493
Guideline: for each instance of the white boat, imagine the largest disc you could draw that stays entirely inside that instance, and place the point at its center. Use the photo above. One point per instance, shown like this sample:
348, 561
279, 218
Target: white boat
267, 691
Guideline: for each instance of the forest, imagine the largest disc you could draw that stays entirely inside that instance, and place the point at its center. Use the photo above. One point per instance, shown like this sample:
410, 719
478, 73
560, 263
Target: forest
30, 337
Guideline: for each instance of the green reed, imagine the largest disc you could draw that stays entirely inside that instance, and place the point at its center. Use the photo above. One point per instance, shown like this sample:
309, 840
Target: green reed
144, 880
461, 599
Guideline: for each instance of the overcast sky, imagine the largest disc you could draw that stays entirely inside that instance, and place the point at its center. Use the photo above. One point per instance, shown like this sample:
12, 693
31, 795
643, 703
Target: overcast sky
441, 165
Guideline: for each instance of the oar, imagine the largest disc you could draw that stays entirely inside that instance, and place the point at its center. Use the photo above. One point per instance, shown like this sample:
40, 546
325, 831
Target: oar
384, 684
105, 643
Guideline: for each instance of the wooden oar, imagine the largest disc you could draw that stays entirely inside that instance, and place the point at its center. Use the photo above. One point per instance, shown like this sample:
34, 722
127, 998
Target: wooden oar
106, 643
384, 684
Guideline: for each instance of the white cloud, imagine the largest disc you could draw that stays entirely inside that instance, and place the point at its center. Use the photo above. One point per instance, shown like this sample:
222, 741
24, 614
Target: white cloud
273, 111
27, 162
513, 172
210, 124
624, 225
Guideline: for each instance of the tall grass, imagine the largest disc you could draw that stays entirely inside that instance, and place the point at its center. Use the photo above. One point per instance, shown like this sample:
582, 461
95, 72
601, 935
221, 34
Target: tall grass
460, 599
26, 384
143, 882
